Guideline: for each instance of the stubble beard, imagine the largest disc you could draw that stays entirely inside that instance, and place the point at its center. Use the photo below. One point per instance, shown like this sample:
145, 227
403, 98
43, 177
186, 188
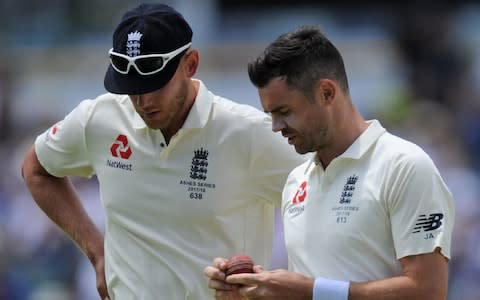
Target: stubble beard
313, 144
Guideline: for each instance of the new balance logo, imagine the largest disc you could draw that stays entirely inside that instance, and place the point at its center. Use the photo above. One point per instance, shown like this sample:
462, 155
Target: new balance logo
432, 222
120, 147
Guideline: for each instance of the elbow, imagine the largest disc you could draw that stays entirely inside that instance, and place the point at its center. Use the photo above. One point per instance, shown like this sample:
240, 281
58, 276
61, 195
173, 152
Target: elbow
24, 170
434, 292
27, 169
431, 291
31, 167
433, 296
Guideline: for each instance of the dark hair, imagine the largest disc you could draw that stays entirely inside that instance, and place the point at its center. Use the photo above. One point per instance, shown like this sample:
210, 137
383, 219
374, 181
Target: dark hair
303, 56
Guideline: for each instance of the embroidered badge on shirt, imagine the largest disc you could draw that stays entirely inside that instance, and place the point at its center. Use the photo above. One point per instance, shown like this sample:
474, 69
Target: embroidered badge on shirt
199, 166
348, 189
197, 186
344, 211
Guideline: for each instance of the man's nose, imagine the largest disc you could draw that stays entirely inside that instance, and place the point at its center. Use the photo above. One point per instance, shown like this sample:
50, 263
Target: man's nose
142, 100
277, 124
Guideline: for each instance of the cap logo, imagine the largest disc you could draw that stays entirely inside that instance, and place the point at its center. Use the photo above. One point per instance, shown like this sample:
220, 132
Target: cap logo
133, 43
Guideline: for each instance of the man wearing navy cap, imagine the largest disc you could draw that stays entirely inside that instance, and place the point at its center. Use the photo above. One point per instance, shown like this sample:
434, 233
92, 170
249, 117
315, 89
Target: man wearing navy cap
183, 174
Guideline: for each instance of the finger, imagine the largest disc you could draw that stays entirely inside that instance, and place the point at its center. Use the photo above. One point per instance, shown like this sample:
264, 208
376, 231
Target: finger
220, 263
258, 269
248, 291
214, 273
218, 285
243, 279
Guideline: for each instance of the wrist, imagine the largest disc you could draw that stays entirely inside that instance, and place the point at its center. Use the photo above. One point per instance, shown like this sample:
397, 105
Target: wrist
328, 289
94, 250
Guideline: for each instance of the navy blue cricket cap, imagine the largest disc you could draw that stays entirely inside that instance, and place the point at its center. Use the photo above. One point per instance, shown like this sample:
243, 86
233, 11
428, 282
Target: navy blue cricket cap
147, 29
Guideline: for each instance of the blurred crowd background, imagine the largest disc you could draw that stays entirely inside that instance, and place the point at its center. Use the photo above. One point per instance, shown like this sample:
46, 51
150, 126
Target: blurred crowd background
414, 66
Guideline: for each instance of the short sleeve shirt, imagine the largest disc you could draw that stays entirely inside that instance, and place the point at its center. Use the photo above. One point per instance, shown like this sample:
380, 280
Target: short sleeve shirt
381, 200
170, 209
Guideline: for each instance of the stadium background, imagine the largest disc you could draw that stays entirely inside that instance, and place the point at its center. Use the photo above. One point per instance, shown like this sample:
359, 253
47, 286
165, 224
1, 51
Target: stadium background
414, 66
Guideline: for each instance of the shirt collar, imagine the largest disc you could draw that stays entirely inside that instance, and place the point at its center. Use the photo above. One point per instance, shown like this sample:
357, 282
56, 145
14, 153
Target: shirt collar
198, 114
360, 145
365, 140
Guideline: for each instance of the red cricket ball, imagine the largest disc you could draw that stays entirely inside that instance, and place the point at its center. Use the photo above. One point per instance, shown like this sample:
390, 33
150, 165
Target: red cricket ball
239, 263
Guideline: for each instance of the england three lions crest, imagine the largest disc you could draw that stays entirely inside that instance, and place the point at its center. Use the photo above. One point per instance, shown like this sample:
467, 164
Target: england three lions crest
199, 170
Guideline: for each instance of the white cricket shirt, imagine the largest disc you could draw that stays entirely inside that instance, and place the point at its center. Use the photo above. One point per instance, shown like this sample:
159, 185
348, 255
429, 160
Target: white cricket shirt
171, 209
381, 200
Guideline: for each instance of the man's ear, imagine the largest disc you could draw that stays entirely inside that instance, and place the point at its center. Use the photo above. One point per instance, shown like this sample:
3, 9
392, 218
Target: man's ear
192, 58
326, 90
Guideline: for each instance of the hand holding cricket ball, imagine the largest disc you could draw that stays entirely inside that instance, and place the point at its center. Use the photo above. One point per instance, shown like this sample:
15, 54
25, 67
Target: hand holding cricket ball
239, 263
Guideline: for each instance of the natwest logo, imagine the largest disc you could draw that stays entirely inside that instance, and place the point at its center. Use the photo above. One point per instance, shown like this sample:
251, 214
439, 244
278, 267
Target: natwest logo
120, 147
301, 193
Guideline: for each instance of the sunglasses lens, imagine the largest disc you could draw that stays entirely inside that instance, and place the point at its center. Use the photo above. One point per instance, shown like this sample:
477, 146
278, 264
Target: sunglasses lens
119, 62
149, 64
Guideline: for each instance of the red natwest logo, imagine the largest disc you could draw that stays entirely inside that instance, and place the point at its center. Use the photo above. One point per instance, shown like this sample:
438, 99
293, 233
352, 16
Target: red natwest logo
120, 147
301, 193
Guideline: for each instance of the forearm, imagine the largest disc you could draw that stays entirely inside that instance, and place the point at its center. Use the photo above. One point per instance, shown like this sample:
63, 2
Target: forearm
396, 288
58, 199
425, 276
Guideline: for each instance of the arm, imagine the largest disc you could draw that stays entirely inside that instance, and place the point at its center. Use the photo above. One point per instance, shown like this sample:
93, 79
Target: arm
58, 199
424, 277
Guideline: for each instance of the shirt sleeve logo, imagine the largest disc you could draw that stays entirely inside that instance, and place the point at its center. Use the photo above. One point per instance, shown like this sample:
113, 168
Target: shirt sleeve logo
432, 222
53, 131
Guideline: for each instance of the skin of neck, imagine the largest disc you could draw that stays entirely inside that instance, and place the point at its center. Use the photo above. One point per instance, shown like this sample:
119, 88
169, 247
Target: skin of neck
178, 122
347, 124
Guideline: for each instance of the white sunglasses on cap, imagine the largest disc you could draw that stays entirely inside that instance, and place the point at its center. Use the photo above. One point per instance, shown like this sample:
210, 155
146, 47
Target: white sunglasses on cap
144, 64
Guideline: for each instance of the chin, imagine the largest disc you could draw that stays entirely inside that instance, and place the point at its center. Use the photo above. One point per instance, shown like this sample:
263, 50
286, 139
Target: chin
153, 125
301, 150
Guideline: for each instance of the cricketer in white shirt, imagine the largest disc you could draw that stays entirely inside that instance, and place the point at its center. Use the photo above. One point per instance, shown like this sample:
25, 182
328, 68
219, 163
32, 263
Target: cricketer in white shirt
381, 200
171, 209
